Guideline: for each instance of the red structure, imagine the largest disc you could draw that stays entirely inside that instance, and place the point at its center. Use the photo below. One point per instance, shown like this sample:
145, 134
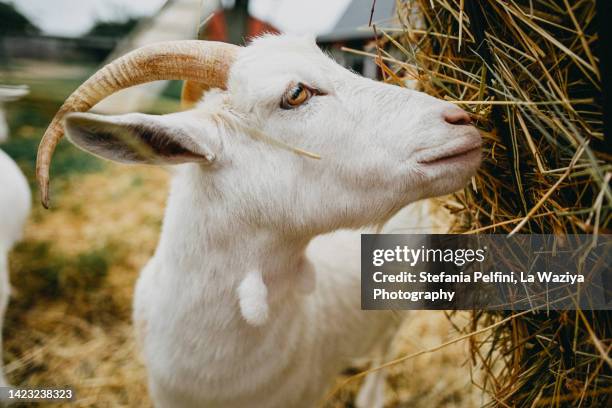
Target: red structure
217, 28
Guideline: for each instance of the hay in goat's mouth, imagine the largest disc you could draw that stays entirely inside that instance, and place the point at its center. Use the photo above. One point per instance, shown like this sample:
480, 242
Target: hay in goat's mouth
529, 73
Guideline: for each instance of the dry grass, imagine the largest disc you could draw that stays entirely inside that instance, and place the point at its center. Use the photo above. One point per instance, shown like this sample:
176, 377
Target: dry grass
528, 72
67, 326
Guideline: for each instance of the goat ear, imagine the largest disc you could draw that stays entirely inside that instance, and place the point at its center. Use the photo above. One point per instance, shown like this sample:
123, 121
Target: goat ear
150, 139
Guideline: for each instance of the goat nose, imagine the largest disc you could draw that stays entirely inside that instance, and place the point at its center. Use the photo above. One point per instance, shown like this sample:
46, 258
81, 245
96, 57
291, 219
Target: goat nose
457, 116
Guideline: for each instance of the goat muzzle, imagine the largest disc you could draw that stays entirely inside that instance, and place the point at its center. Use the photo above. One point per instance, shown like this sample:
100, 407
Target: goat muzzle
205, 64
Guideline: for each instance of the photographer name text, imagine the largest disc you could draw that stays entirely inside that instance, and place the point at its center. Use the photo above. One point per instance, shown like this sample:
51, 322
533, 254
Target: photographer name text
460, 258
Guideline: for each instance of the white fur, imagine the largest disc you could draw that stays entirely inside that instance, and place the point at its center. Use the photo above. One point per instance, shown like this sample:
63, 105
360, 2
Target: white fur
15, 202
7, 94
253, 295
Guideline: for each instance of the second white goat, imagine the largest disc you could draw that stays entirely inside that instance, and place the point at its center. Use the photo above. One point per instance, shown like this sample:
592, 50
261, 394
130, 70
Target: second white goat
15, 202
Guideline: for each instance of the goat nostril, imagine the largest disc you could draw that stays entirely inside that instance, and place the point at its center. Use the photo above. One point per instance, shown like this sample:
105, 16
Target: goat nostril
457, 117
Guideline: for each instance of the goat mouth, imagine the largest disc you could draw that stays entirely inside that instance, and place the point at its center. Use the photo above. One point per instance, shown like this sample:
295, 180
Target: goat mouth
454, 156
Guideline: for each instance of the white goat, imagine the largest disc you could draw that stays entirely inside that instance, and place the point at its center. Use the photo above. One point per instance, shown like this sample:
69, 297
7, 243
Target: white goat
15, 202
227, 310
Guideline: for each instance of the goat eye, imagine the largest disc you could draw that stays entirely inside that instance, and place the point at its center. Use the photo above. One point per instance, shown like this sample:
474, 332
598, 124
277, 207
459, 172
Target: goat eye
296, 96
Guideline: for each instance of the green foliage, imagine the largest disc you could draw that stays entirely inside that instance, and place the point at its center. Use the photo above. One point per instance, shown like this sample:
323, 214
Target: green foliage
36, 270
28, 120
87, 271
116, 29
173, 90
66, 160
40, 270
13, 22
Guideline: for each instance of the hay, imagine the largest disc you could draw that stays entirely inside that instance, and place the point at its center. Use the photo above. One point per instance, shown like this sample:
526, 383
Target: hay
528, 73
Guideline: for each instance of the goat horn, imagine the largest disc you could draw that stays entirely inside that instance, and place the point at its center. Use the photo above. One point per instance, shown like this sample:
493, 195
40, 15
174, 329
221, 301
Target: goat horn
204, 62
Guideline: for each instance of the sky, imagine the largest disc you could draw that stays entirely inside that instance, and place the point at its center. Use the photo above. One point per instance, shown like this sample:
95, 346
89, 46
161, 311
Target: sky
75, 17
299, 17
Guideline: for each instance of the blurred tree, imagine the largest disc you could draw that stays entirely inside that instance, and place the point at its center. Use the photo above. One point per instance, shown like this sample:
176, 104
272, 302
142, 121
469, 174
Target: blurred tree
113, 28
13, 22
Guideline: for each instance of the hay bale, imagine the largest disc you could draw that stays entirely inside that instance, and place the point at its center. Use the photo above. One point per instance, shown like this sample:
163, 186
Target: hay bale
529, 73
